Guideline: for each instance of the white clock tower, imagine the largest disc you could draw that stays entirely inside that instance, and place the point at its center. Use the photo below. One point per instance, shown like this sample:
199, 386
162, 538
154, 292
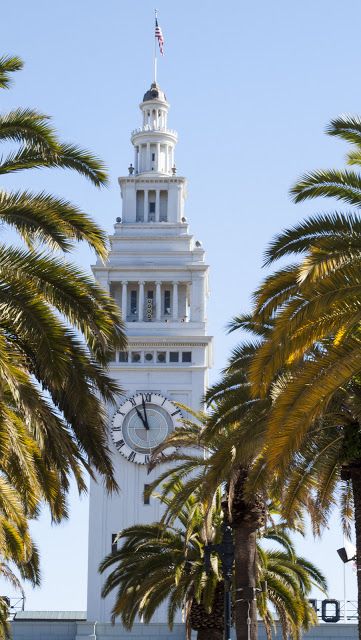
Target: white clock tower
156, 272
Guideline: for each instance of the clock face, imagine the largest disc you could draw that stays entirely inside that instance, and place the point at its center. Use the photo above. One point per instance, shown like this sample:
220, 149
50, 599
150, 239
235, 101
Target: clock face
141, 423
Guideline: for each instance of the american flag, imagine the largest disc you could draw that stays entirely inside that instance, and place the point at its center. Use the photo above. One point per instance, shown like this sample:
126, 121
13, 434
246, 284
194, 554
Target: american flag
159, 36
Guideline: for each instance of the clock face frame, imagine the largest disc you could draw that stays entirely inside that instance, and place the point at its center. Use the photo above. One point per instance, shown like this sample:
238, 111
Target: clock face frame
141, 423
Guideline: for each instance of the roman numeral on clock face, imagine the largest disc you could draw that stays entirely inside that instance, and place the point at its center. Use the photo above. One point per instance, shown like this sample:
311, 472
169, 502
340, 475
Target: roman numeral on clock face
132, 401
175, 412
120, 444
131, 456
147, 397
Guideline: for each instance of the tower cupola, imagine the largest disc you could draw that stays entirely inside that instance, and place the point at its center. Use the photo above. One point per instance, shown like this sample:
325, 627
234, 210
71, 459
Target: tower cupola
154, 143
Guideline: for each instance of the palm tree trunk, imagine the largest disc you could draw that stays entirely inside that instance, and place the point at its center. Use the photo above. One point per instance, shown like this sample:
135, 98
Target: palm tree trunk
247, 516
209, 634
355, 474
209, 625
245, 577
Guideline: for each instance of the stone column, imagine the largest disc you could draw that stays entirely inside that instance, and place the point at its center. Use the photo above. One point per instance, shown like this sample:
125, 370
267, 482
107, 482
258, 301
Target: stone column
124, 300
175, 301
136, 159
148, 162
157, 205
141, 301
146, 205
158, 300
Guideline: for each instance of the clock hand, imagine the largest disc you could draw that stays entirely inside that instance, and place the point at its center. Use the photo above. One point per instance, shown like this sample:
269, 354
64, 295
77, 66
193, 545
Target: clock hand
142, 419
146, 424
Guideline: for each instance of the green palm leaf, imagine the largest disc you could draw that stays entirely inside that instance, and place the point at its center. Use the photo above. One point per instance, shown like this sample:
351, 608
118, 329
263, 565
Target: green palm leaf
8, 64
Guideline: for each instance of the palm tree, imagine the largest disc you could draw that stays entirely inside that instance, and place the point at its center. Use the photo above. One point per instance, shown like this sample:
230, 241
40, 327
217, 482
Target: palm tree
57, 326
234, 436
320, 474
155, 563
311, 357
57, 331
207, 459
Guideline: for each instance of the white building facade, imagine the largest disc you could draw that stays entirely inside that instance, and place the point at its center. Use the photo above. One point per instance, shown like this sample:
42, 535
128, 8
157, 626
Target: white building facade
157, 273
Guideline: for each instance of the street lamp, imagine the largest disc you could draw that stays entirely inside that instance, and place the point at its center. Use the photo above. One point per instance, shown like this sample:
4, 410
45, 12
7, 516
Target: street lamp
225, 550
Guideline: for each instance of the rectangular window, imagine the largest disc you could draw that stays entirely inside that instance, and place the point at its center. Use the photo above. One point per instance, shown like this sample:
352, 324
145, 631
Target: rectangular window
163, 204
151, 205
114, 543
123, 356
174, 356
146, 497
140, 206
151, 214
153, 157
133, 302
167, 303
187, 356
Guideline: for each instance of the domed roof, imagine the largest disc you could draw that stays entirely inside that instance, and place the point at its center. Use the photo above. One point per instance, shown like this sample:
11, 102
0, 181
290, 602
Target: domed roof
154, 93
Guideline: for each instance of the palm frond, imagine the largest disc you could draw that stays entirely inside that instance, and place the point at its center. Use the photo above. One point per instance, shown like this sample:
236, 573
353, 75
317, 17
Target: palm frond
342, 185
8, 64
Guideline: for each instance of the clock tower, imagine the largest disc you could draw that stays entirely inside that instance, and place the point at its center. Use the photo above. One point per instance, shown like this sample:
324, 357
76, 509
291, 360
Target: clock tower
156, 272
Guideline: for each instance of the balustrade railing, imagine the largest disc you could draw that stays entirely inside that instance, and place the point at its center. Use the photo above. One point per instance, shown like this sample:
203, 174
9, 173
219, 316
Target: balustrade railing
148, 128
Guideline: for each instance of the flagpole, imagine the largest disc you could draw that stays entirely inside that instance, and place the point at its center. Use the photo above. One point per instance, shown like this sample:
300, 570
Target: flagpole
155, 48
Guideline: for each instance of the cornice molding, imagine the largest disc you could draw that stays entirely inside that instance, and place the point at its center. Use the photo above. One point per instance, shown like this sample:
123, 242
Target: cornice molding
152, 345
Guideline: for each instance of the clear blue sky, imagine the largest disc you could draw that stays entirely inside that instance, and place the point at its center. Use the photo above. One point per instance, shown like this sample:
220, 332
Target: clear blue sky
251, 86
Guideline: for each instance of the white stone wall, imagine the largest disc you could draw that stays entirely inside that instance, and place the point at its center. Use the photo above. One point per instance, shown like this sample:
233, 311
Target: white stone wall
85, 631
